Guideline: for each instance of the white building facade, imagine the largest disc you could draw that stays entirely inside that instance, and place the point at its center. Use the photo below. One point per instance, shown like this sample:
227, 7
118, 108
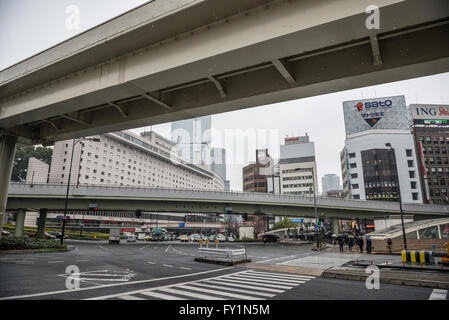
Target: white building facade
127, 159
297, 167
372, 170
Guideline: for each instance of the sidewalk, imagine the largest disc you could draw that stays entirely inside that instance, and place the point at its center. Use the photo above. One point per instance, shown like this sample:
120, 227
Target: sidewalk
408, 278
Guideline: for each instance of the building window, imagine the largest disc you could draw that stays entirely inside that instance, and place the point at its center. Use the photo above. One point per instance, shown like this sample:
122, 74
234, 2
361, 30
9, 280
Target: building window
408, 152
356, 196
352, 155
415, 195
413, 184
353, 165
411, 174
355, 186
410, 163
354, 175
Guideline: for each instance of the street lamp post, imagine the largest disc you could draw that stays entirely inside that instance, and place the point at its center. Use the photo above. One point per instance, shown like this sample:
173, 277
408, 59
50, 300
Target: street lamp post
316, 215
399, 194
68, 184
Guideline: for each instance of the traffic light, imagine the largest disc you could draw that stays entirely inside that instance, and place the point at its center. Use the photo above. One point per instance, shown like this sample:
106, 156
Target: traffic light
138, 213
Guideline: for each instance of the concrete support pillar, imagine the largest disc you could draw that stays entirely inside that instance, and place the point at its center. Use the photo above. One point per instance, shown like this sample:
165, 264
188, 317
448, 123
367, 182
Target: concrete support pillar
7, 150
20, 222
335, 226
42, 222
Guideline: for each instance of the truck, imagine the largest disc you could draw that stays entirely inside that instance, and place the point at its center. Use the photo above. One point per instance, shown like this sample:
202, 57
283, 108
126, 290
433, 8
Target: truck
114, 235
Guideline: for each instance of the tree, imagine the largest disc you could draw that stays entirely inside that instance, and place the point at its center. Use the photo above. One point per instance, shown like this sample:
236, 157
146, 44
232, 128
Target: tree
22, 156
285, 223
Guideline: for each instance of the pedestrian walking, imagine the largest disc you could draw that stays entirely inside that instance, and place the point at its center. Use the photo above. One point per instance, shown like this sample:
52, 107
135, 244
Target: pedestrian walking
368, 244
389, 243
361, 244
350, 243
341, 243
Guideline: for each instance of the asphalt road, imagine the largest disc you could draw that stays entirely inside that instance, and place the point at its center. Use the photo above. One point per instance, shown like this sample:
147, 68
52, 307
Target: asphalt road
135, 271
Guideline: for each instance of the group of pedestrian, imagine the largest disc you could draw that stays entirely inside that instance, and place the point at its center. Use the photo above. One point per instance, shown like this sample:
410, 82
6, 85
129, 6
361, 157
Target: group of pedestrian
351, 241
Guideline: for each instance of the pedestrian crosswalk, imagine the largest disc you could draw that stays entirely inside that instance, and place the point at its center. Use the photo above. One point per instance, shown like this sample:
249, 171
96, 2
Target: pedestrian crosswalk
243, 285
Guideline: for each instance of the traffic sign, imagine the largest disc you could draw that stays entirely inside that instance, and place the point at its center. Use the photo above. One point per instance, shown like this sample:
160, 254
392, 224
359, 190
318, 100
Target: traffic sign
181, 225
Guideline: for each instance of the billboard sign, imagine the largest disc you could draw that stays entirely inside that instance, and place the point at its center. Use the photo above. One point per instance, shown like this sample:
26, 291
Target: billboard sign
430, 114
377, 113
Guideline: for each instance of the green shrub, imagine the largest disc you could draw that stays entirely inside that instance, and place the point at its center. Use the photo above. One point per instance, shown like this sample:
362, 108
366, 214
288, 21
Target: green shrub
12, 243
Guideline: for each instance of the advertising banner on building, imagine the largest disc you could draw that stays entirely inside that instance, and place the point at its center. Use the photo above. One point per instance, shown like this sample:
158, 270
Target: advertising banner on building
430, 114
377, 113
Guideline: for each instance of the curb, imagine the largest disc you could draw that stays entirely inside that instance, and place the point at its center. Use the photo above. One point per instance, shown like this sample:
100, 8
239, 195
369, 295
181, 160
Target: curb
389, 280
223, 263
49, 250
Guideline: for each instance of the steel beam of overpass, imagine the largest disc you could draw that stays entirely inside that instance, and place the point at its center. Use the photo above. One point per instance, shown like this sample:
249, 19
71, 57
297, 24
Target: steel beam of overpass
52, 197
190, 58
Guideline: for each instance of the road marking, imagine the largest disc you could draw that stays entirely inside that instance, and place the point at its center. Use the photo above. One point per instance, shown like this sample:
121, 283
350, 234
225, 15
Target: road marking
271, 280
161, 295
82, 260
167, 248
220, 293
55, 261
186, 268
258, 280
269, 274
111, 285
233, 289
189, 294
208, 289
259, 284
276, 259
243, 286
438, 294
130, 298
144, 247
108, 250
167, 265
151, 262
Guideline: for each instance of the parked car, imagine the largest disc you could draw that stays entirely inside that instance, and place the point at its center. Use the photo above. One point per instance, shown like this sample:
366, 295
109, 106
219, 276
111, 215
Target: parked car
58, 235
131, 238
184, 238
270, 238
195, 237
6, 233
231, 239
46, 236
220, 237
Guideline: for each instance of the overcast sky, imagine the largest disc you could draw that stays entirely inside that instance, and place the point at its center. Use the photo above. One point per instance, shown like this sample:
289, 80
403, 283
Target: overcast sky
30, 26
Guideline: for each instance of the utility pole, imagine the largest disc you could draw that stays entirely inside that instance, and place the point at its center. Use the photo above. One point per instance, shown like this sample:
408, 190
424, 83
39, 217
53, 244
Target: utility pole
399, 194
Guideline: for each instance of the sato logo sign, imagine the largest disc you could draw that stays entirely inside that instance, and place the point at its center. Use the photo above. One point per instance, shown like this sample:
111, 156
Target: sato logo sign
373, 111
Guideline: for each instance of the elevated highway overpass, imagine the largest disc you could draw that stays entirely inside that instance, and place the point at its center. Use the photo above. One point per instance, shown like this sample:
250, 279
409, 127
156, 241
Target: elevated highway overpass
52, 197
169, 60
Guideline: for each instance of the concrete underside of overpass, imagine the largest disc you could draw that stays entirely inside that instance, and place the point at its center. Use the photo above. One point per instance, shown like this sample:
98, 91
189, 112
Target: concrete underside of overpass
185, 62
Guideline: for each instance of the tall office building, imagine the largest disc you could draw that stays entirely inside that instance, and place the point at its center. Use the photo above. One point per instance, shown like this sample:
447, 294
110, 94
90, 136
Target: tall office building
218, 161
255, 174
192, 139
126, 159
330, 182
370, 169
430, 129
297, 166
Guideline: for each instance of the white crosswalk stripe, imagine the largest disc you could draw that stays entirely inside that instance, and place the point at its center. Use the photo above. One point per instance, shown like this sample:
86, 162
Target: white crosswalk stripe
242, 285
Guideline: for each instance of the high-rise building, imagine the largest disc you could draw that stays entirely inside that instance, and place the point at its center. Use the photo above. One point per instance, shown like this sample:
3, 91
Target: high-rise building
255, 174
218, 161
192, 139
370, 169
430, 129
330, 182
297, 166
126, 159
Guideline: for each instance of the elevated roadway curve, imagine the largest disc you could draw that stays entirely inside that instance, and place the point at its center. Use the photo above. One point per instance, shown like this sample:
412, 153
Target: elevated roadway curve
201, 201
